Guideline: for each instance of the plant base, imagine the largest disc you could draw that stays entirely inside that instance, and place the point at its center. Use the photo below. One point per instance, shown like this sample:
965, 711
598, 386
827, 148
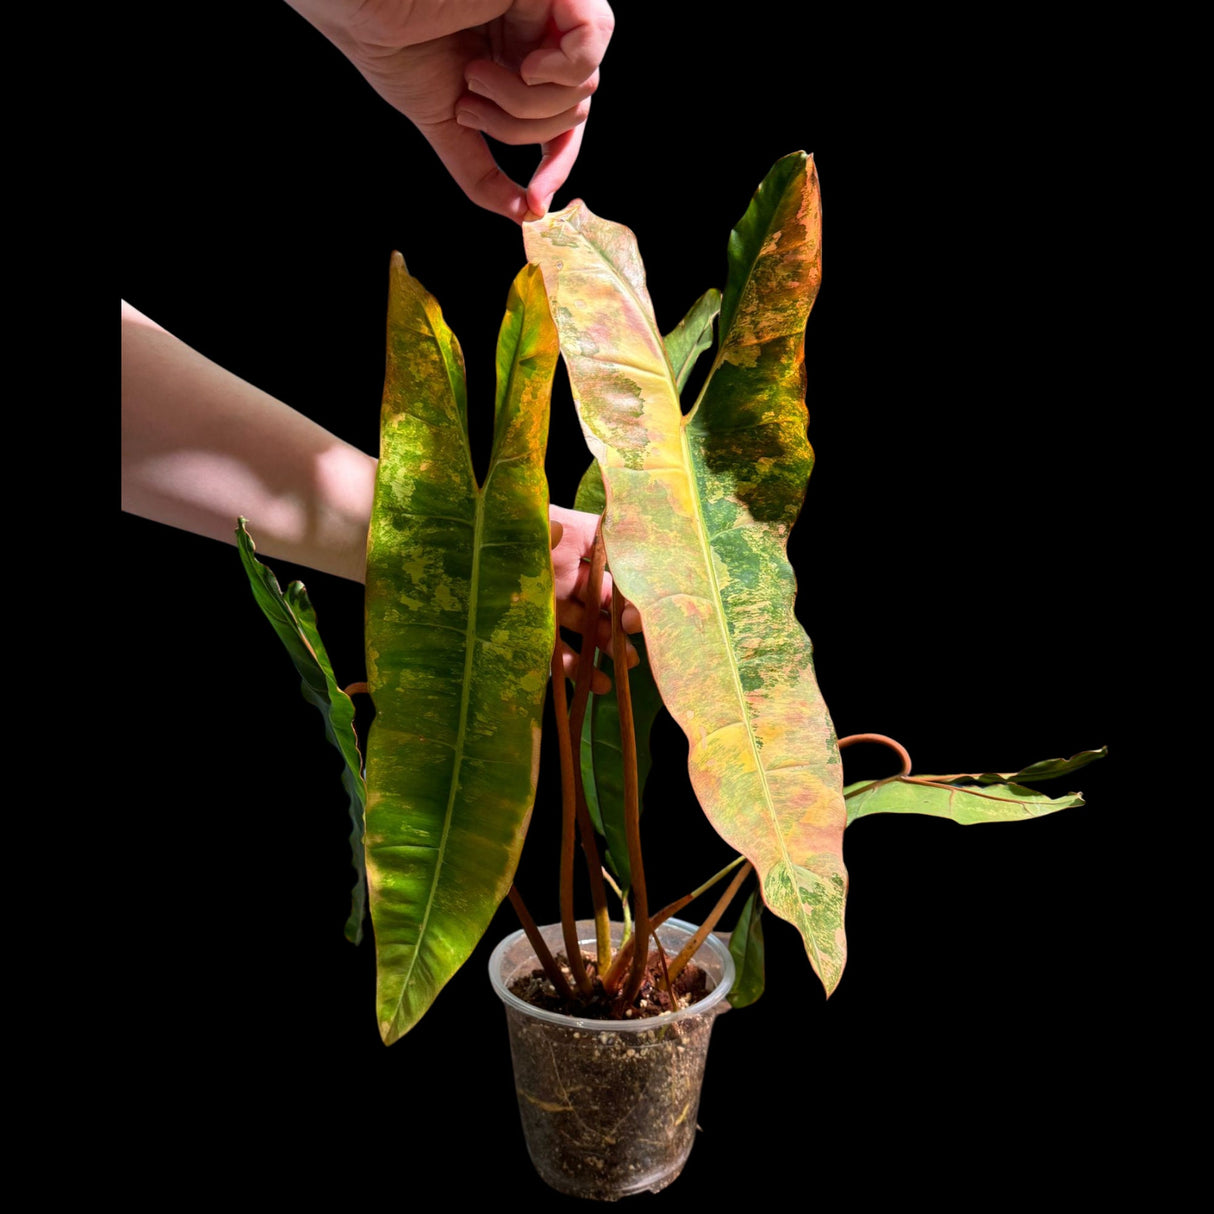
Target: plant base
609, 1106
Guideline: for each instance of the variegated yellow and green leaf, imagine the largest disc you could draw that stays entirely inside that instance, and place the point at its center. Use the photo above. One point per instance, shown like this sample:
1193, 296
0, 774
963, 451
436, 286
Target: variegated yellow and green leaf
970, 799
460, 628
699, 511
602, 760
294, 619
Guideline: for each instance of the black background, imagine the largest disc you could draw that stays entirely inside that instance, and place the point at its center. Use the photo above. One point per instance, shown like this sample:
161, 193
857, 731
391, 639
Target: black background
956, 565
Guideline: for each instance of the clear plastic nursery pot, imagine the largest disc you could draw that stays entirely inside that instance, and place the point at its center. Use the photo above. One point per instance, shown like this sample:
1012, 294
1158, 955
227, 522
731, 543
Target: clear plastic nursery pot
609, 1106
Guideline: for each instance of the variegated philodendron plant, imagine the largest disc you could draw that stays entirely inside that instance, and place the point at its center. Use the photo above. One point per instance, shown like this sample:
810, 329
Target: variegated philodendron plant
697, 509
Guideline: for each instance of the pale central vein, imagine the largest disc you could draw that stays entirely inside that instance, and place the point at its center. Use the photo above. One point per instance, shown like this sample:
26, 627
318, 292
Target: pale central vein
744, 711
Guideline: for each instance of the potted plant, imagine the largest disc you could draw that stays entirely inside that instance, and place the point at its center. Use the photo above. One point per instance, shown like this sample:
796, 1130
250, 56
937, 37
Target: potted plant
698, 507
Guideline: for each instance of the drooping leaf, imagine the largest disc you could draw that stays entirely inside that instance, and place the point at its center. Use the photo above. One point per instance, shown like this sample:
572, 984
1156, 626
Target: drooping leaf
746, 947
970, 798
699, 510
964, 803
460, 628
692, 336
1038, 773
294, 619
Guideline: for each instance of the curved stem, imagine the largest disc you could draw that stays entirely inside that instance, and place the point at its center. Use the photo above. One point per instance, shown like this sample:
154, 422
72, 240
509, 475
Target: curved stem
897, 747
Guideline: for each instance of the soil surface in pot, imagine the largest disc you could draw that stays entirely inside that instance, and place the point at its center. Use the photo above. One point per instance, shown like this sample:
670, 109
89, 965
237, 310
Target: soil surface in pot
690, 986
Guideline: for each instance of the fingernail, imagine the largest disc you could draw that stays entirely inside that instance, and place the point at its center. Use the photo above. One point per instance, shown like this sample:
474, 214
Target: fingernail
476, 86
468, 118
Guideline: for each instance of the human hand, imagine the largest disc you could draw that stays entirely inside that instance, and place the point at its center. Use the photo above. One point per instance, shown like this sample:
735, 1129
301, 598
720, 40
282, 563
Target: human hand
520, 71
572, 544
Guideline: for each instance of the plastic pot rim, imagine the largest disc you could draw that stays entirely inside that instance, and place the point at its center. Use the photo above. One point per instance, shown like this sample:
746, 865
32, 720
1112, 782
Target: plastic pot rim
713, 944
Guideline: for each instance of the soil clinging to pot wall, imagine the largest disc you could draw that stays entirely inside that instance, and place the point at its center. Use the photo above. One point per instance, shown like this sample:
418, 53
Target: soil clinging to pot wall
610, 1111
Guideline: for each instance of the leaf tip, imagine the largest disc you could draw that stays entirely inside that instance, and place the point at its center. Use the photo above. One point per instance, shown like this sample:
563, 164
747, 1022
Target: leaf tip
397, 261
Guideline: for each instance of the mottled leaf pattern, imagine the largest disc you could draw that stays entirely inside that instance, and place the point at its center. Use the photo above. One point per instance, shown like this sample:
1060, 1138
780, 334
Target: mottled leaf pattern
294, 620
460, 628
747, 950
698, 516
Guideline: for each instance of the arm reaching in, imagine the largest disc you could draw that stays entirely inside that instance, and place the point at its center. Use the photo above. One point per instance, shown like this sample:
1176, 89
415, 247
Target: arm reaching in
520, 71
201, 447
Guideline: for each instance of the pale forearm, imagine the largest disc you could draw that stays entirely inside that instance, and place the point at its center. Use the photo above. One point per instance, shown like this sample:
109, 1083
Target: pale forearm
201, 447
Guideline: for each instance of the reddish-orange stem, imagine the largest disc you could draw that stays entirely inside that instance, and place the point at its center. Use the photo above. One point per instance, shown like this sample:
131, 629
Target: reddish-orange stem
542, 951
632, 799
577, 717
573, 950
692, 946
897, 747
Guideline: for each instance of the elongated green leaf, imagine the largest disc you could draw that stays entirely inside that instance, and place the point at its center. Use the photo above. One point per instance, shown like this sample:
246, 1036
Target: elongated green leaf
295, 622
938, 798
460, 629
746, 947
698, 516
1038, 773
970, 798
692, 336
591, 496
603, 761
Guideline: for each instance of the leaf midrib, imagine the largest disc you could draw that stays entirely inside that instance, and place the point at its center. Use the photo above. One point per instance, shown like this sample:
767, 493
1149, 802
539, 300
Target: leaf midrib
705, 549
719, 613
469, 657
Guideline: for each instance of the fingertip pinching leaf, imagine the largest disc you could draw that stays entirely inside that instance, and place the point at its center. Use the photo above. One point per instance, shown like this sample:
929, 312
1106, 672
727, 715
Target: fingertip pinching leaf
294, 620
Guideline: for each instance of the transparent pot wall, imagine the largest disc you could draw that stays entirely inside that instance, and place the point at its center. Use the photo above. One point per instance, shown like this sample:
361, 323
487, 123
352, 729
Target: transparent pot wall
609, 1106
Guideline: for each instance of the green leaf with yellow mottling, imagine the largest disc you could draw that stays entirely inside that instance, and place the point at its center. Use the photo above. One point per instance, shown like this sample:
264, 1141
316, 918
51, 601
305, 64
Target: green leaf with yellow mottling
460, 628
969, 798
699, 509
294, 619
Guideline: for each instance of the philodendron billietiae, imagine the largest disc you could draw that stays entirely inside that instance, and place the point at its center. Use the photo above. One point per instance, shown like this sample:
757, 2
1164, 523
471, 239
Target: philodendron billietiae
699, 510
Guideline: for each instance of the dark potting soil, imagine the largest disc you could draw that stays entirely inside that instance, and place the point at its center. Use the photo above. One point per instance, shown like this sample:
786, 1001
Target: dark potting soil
607, 1112
689, 987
